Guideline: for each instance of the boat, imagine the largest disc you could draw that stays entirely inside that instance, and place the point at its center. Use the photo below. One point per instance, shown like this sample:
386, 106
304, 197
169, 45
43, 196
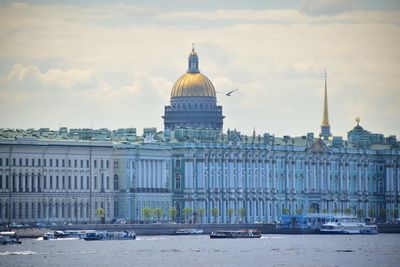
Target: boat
344, 224
9, 237
189, 231
302, 223
236, 234
117, 235
55, 235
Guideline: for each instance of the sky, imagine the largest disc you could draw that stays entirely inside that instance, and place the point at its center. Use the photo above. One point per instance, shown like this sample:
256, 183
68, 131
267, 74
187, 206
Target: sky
113, 65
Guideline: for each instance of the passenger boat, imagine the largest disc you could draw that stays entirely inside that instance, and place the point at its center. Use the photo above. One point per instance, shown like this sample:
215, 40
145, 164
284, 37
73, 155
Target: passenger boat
189, 231
10, 237
236, 234
55, 235
117, 235
348, 225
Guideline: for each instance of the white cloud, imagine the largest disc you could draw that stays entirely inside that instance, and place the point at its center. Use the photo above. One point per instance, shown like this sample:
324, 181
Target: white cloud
325, 7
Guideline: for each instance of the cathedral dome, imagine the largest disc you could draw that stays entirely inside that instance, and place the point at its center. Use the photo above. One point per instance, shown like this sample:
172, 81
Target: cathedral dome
193, 84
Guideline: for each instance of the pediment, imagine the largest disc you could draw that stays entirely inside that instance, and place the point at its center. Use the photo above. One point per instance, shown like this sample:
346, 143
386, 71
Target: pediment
319, 147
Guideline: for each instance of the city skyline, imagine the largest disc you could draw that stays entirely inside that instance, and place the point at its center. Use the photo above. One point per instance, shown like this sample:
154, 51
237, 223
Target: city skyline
113, 66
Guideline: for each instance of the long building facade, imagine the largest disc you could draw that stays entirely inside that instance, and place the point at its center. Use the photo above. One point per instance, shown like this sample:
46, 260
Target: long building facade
194, 167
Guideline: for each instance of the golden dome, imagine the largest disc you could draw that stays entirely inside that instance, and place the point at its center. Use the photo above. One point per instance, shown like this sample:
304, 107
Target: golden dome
193, 84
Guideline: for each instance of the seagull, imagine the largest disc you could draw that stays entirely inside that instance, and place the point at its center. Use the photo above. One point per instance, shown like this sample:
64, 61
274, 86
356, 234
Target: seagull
230, 92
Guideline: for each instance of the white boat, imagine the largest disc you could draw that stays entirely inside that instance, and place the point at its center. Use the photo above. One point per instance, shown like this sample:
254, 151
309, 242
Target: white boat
189, 231
348, 225
104, 235
9, 238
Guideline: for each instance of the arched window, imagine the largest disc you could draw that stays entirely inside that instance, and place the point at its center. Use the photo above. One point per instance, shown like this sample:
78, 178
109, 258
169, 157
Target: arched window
116, 182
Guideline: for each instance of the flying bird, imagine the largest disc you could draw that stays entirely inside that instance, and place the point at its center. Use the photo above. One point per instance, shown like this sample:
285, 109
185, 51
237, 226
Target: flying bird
230, 92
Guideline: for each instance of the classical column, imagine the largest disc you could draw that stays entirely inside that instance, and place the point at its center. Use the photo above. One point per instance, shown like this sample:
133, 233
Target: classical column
347, 170
359, 178
287, 176
341, 177
322, 171
293, 175
388, 178
366, 180
314, 175
328, 176
267, 179
306, 176
274, 181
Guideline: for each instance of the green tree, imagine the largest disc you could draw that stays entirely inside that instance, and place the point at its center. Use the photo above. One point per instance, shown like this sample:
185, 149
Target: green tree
382, 213
146, 213
371, 213
360, 213
299, 211
215, 213
347, 211
285, 211
158, 212
242, 213
324, 211
100, 213
311, 210
200, 213
336, 211
230, 212
187, 212
396, 213
172, 213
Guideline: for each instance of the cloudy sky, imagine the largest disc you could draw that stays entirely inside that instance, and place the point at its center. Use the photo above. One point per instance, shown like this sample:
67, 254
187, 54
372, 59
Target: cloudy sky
111, 65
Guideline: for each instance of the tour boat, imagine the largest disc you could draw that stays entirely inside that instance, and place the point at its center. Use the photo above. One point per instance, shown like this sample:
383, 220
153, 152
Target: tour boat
236, 234
348, 225
55, 235
189, 231
7, 238
117, 235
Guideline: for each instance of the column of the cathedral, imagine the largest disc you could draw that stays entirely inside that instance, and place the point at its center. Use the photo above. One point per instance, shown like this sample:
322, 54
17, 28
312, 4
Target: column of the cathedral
294, 176
266, 177
306, 165
231, 181
138, 174
322, 172
359, 178
387, 178
328, 176
347, 175
314, 179
366, 184
286, 175
239, 173
274, 180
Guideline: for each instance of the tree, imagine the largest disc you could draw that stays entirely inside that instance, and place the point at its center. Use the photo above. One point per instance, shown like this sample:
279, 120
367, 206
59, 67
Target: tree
215, 213
371, 213
311, 210
158, 212
230, 212
336, 210
100, 214
146, 213
299, 211
242, 213
285, 211
382, 213
187, 212
201, 212
172, 212
347, 211
324, 211
360, 213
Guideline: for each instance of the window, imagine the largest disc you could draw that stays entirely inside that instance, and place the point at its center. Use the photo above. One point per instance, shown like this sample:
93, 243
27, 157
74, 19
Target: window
75, 163
63, 182
69, 182
51, 162
177, 163
57, 183
101, 164
1, 182
33, 162
14, 162
63, 163
45, 182
69, 163
39, 162
1, 162
76, 182
102, 182
44, 162
51, 182
20, 162
7, 163
108, 183
81, 163
7, 182
116, 182
95, 182
115, 164
177, 181
26, 162
107, 164
87, 163
56, 162
87, 182
95, 163
81, 182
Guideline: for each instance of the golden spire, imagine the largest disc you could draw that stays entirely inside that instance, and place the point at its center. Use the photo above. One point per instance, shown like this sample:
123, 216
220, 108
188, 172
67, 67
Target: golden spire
325, 119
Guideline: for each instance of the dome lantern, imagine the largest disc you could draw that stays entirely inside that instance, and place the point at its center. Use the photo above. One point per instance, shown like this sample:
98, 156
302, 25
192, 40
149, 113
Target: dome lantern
193, 62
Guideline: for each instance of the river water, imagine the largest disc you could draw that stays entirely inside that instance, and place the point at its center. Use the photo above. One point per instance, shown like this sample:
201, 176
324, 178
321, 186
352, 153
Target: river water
270, 250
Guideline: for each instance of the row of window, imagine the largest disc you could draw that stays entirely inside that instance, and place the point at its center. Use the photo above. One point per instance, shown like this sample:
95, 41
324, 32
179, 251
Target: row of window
54, 163
27, 183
